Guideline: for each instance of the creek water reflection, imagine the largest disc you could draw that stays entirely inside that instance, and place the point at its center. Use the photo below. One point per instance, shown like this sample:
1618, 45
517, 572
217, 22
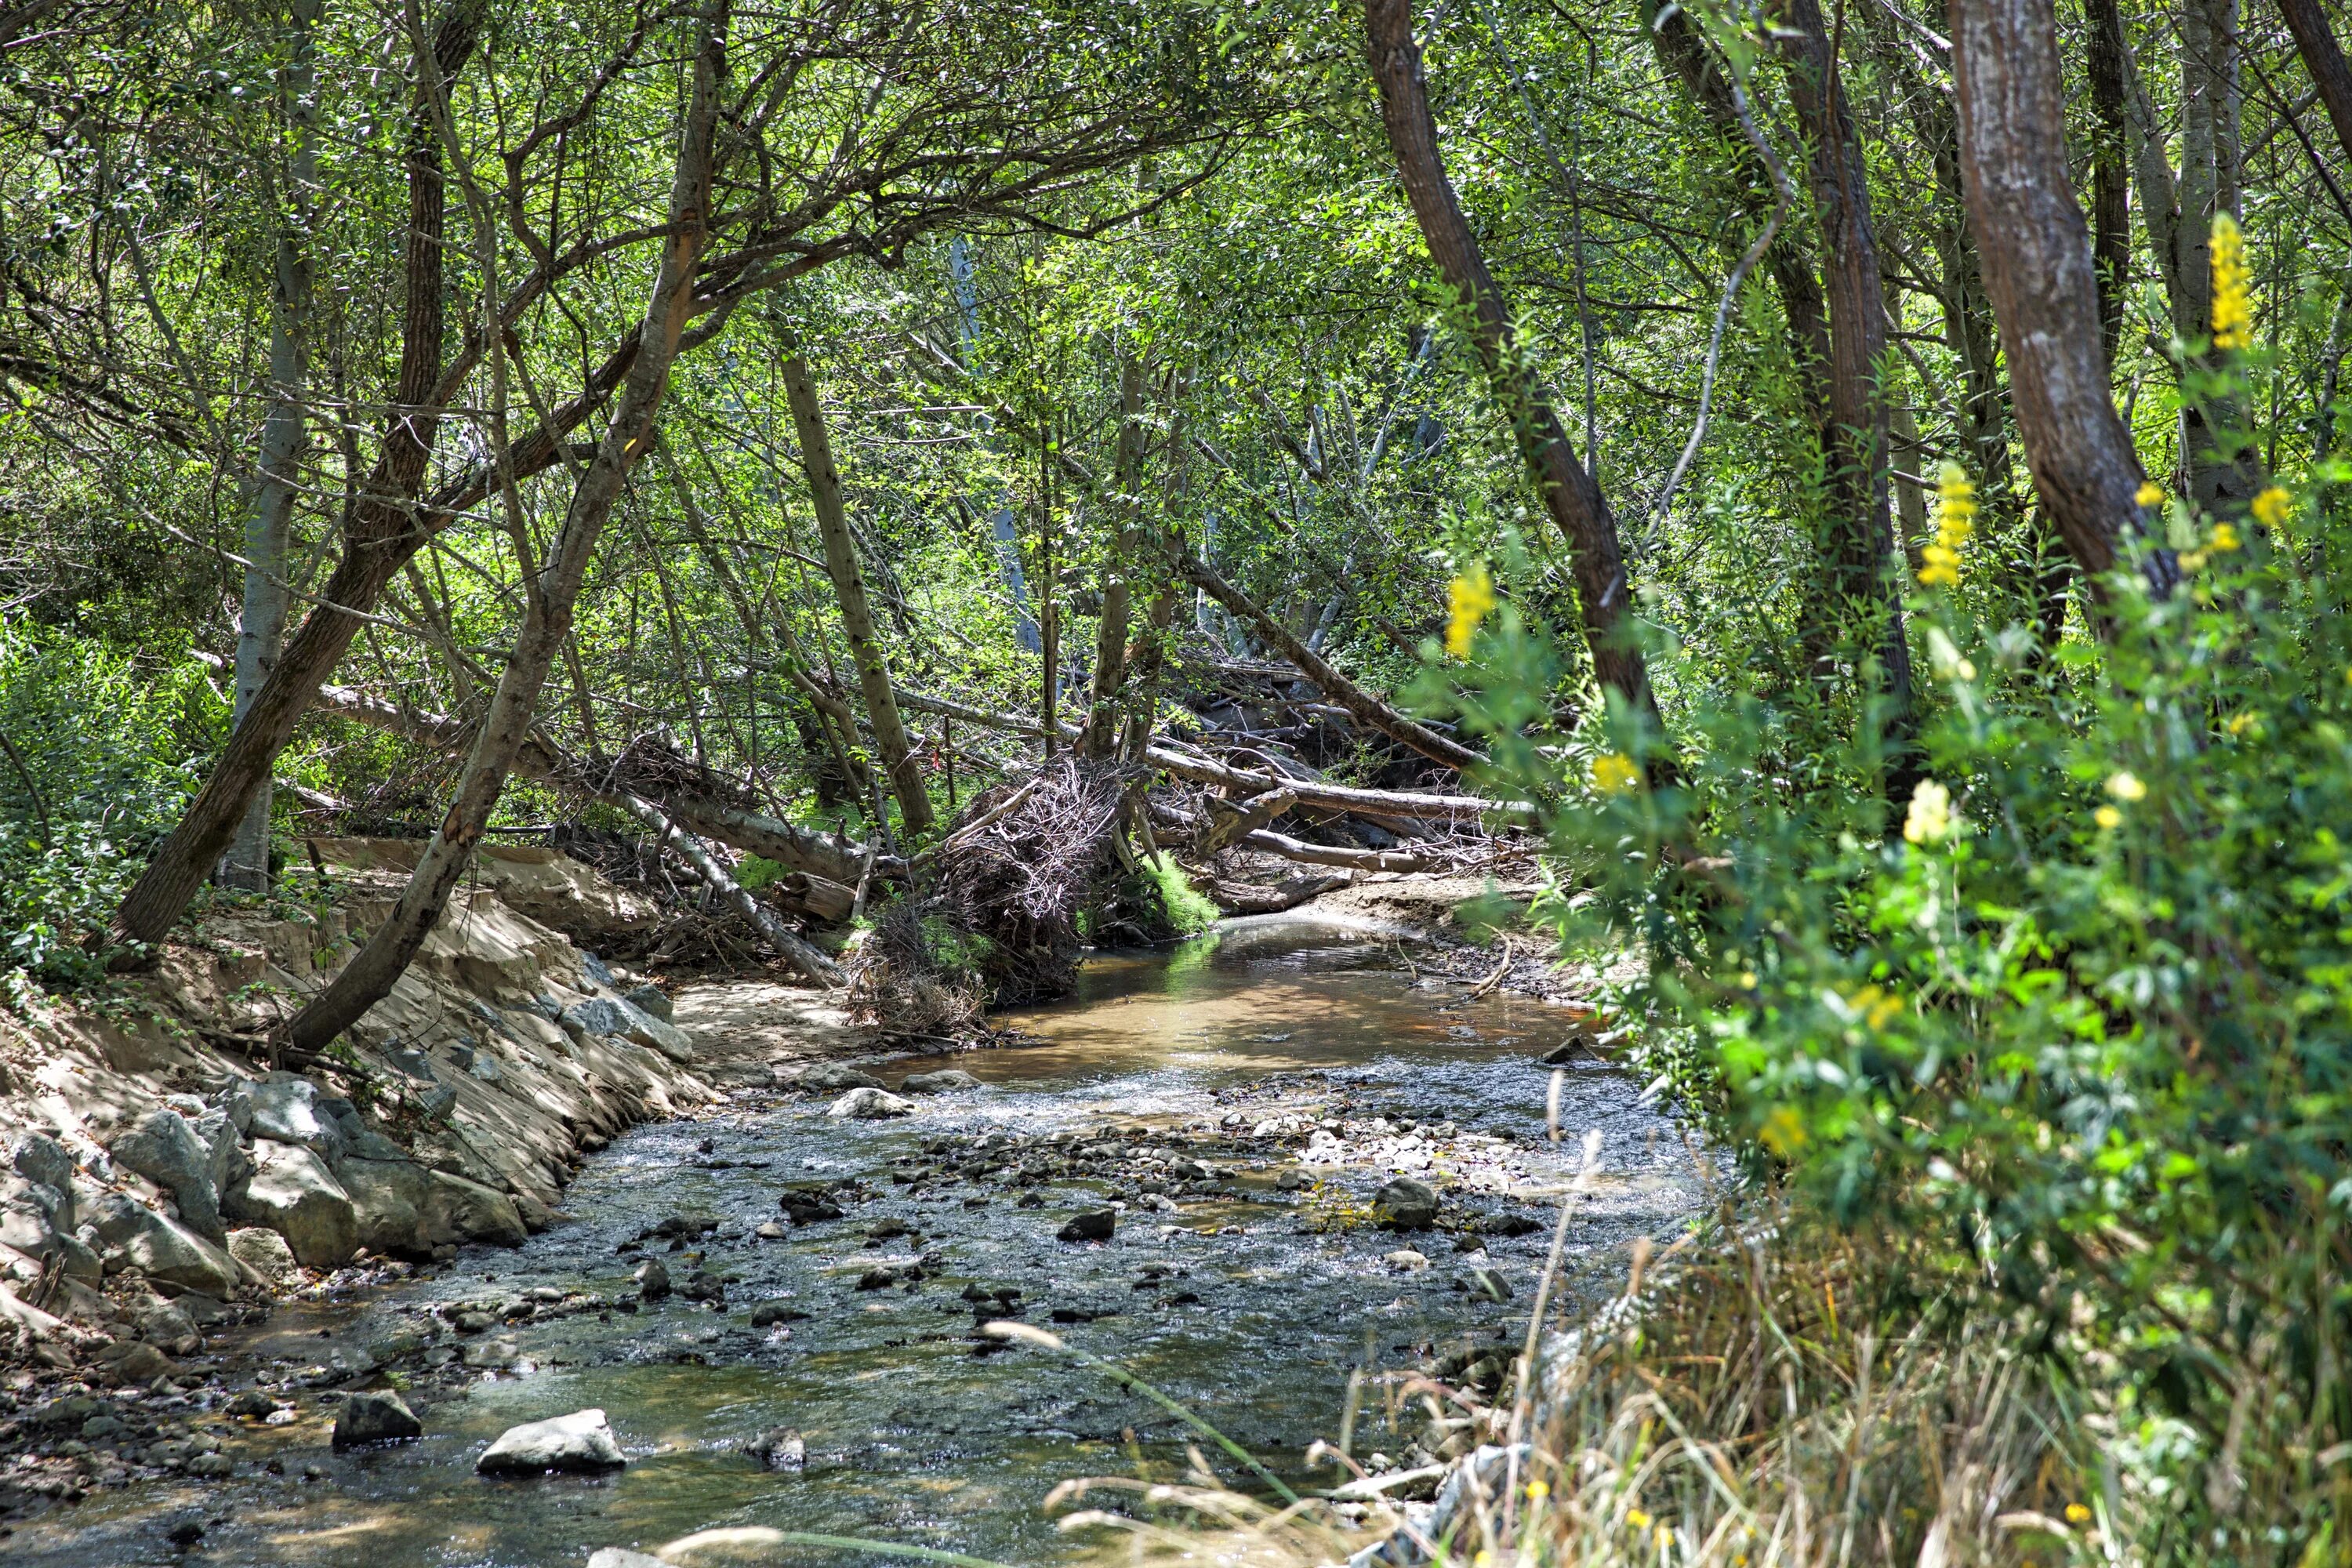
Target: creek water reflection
1227, 1300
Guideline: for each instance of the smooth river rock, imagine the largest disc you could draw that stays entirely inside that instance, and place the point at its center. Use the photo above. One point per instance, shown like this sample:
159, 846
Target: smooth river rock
870, 1105
265, 1252
831, 1078
1404, 1204
946, 1081
580, 1441
1095, 1224
375, 1418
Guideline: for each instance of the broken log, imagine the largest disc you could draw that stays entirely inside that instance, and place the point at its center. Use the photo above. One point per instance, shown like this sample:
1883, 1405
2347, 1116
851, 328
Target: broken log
794, 848
1365, 708
1229, 825
1298, 849
1382, 804
812, 964
1248, 899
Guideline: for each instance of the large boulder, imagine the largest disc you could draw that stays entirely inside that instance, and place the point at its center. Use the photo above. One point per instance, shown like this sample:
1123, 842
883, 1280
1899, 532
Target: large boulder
407, 1210
613, 1016
293, 1192
41, 1158
580, 1441
288, 1111
220, 1135
164, 1149
265, 1252
130, 1235
375, 1418
32, 1213
869, 1105
653, 1002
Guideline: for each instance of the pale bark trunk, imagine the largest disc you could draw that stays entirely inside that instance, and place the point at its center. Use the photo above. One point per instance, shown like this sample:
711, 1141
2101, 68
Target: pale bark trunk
549, 599
849, 589
2037, 263
261, 623
1570, 496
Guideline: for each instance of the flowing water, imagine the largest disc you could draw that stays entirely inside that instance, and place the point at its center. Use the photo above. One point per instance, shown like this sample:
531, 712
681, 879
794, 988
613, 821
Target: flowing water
1250, 1303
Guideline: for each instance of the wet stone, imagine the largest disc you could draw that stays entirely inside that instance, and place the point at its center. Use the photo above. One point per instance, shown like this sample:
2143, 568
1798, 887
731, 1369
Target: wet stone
1094, 1224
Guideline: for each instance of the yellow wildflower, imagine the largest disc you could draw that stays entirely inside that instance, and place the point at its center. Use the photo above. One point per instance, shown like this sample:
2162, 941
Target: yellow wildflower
2271, 507
1637, 1519
2192, 561
1614, 773
1956, 519
1537, 1491
1930, 816
2108, 817
1878, 1006
2077, 1514
2150, 493
2233, 314
2125, 785
1467, 601
2225, 537
1784, 1134
2240, 722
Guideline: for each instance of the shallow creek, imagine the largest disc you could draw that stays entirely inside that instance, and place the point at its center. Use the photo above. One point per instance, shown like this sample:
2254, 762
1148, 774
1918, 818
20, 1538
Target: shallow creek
1248, 1300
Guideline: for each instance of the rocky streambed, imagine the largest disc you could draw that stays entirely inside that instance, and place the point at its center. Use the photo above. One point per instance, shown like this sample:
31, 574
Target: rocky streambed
1242, 1169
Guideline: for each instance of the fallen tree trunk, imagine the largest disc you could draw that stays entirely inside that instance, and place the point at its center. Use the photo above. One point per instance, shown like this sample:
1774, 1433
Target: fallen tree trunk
818, 854
813, 965
1308, 854
1243, 899
1360, 704
1385, 805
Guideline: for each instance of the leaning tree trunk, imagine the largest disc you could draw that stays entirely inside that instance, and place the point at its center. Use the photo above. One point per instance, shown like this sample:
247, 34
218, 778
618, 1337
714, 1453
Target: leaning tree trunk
377, 543
550, 598
2037, 266
1862, 545
849, 589
261, 623
2323, 58
1569, 494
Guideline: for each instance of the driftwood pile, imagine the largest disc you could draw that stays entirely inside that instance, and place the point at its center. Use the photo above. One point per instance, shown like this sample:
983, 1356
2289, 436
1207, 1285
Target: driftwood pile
991, 915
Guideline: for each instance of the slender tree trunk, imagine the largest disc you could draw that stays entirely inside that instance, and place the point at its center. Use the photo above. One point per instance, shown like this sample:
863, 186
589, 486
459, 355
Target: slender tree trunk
549, 597
380, 538
849, 588
1795, 272
1574, 501
2038, 269
2222, 478
1862, 546
261, 625
1100, 736
2110, 170
2315, 40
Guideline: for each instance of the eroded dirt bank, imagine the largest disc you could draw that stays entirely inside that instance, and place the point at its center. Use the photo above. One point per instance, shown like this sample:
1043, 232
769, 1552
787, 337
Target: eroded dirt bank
163, 1193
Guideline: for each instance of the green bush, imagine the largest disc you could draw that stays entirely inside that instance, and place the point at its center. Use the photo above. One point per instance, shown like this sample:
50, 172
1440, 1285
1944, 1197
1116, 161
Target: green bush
2073, 1019
109, 748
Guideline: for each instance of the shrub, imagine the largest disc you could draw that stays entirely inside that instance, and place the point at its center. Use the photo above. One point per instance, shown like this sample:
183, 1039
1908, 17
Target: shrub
2071, 1019
107, 748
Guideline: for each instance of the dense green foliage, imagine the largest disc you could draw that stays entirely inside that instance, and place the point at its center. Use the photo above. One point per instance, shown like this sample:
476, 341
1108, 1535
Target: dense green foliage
2045, 975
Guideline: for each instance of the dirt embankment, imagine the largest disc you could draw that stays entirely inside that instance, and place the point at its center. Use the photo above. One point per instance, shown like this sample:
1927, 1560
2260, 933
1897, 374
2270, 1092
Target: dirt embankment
159, 1182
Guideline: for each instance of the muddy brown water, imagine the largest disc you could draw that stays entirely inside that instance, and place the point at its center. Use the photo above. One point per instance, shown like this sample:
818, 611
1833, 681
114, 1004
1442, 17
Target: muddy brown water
1264, 1299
